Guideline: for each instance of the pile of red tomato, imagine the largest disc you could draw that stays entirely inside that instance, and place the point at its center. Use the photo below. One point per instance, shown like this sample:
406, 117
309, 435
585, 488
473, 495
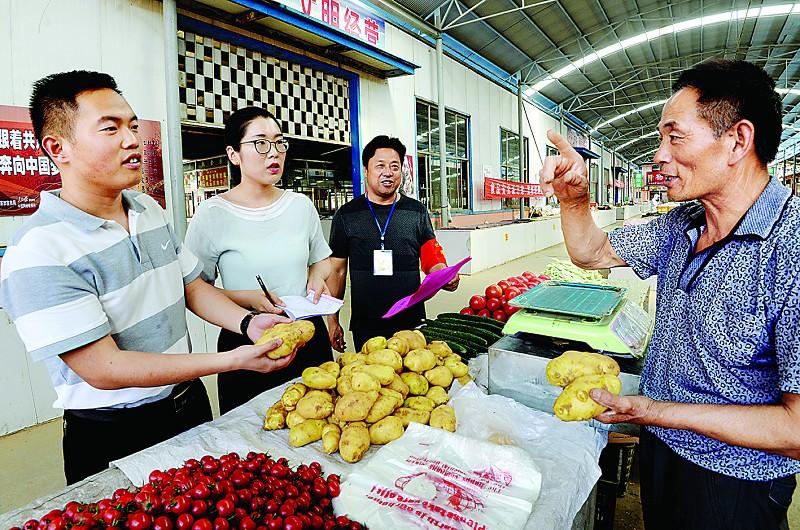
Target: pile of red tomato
226, 493
494, 302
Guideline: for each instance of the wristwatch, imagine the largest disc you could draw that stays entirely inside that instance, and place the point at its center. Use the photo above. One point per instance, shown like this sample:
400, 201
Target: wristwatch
246, 322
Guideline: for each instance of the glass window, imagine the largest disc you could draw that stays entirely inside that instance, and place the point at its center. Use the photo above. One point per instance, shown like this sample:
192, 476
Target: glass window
457, 164
509, 162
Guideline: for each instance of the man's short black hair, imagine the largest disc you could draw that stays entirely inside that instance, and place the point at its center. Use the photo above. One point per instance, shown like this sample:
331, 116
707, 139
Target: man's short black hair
382, 142
730, 91
54, 100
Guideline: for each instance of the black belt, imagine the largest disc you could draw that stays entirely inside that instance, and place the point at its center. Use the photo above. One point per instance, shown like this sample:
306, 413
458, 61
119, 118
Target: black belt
175, 402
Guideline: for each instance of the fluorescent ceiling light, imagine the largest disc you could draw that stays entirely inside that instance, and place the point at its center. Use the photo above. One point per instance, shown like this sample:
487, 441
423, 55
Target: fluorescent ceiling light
794, 91
686, 25
637, 109
629, 142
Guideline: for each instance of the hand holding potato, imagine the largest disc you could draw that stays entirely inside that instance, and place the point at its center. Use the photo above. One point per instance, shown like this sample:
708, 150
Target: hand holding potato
256, 357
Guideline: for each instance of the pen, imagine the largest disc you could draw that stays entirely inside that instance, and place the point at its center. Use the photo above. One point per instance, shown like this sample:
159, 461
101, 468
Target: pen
266, 293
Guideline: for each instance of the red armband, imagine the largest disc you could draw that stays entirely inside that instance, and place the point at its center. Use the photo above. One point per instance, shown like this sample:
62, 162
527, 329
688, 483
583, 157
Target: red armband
431, 254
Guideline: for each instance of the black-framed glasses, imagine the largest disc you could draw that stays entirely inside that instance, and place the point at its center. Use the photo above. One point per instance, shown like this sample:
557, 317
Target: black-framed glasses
264, 146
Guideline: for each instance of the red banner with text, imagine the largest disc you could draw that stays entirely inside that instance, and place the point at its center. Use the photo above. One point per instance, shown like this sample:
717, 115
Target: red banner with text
508, 189
25, 171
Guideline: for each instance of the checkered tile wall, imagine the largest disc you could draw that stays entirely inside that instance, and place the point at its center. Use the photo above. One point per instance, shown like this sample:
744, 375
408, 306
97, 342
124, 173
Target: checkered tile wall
217, 77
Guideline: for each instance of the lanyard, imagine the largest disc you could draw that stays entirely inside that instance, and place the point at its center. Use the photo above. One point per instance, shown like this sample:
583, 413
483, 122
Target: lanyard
382, 231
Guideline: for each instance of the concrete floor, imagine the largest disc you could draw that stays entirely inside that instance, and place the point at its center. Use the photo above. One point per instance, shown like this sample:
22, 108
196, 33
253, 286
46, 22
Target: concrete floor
32, 464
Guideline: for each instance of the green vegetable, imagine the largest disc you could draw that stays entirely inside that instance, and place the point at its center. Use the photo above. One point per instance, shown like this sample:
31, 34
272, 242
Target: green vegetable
566, 271
474, 320
456, 325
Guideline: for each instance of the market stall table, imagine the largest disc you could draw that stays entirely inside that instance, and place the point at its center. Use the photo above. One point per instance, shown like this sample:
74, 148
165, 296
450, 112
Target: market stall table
241, 431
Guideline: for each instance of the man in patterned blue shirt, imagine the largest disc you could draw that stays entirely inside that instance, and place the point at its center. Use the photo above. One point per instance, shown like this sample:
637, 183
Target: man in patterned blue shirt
721, 385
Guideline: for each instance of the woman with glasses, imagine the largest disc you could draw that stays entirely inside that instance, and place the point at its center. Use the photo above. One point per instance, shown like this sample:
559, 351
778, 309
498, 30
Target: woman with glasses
258, 229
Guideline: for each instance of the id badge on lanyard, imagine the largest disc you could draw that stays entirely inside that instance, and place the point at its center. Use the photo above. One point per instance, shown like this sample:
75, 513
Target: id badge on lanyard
382, 264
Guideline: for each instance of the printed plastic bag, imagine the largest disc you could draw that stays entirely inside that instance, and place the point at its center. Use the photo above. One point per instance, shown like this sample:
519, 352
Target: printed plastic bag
430, 478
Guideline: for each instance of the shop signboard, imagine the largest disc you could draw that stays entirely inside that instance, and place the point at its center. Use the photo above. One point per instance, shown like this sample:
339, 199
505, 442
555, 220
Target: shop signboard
508, 189
637, 179
347, 16
25, 171
577, 138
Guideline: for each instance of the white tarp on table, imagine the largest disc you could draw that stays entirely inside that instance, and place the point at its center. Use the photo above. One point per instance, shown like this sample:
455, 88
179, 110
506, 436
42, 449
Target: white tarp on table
567, 454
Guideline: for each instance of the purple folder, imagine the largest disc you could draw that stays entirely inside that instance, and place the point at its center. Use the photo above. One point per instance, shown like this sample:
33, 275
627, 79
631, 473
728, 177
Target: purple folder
429, 287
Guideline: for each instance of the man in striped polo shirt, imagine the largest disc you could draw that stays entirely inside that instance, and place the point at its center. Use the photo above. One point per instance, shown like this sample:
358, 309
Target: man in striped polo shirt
97, 284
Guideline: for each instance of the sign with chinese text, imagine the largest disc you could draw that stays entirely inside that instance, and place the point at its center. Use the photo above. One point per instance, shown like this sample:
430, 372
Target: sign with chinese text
508, 189
637, 179
25, 171
349, 17
576, 138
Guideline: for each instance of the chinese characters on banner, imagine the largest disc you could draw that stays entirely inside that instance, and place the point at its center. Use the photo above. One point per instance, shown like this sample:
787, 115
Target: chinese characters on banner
508, 189
353, 19
25, 171
652, 175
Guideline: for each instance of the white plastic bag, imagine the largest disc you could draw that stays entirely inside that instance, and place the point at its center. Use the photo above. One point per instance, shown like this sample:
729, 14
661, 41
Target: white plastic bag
430, 478
566, 452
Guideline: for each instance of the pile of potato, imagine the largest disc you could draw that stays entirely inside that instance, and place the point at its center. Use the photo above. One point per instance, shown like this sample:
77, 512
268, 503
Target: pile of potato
370, 397
578, 373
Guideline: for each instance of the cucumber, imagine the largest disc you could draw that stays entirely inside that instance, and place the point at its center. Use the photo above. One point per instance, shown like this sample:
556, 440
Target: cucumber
456, 325
448, 336
474, 320
455, 346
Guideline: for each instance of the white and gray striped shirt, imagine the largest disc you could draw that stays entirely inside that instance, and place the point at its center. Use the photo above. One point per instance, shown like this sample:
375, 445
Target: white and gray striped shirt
69, 278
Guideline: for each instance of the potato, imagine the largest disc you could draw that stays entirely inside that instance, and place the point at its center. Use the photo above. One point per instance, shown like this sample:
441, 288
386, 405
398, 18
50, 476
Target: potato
315, 406
439, 376
294, 418
276, 417
458, 368
464, 379
408, 415
386, 357
420, 360
386, 430
330, 438
414, 340
417, 384
354, 406
398, 344
344, 385
572, 364
315, 377
294, 335
384, 374
306, 329
374, 344
305, 433
363, 382
382, 407
350, 369
574, 403
394, 394
444, 417
419, 403
331, 367
350, 357
399, 385
453, 357
438, 395
292, 395
353, 443
439, 348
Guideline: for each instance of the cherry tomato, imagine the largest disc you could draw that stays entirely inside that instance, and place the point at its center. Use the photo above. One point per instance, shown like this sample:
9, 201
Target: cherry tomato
275, 524
510, 309
30, 524
139, 521
247, 523
111, 516
502, 284
180, 504
493, 304
225, 508
477, 302
511, 292
199, 508
500, 315
467, 311
484, 313
493, 291
293, 523
162, 523
221, 524
184, 521
202, 524
333, 489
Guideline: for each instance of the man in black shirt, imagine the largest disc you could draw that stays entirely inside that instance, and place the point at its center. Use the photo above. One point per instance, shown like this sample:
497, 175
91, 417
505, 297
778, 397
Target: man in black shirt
385, 236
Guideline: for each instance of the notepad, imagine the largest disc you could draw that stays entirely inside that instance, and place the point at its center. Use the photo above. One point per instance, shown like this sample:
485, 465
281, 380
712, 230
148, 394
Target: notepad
300, 307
